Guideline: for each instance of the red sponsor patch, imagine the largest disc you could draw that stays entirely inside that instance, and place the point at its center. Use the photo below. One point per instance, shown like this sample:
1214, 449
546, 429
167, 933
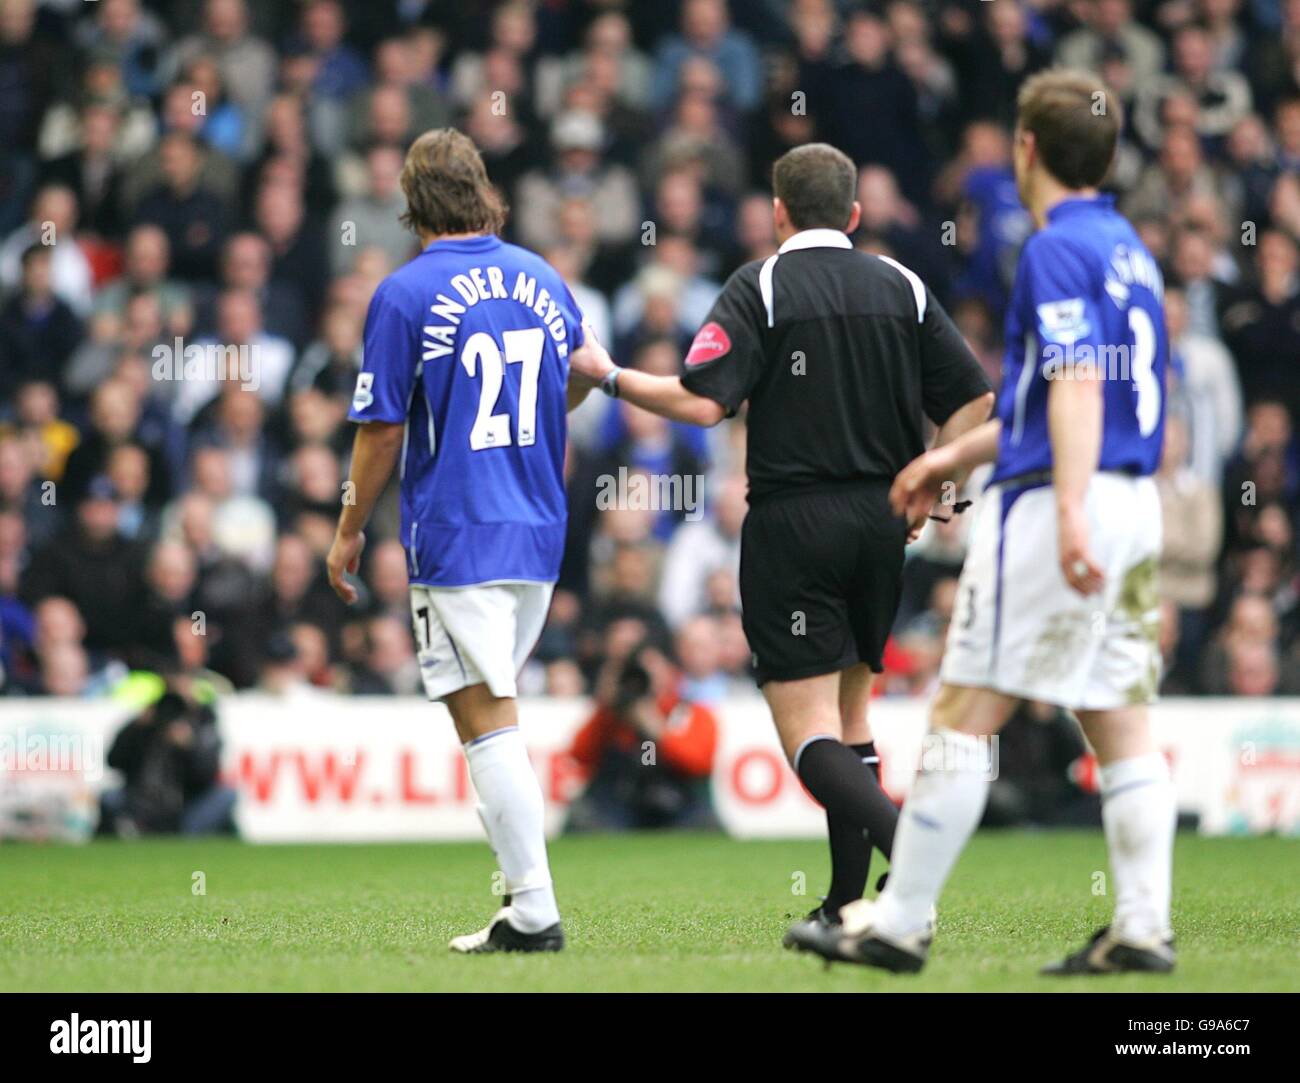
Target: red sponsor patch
710, 343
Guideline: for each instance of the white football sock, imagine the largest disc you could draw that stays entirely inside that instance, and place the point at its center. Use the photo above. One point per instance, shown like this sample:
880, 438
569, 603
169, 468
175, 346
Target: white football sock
514, 815
938, 818
1139, 813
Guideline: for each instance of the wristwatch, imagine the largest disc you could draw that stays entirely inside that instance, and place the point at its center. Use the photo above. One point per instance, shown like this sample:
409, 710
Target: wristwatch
609, 382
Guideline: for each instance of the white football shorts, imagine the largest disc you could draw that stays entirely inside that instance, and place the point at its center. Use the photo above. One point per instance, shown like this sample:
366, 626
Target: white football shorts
1018, 628
478, 634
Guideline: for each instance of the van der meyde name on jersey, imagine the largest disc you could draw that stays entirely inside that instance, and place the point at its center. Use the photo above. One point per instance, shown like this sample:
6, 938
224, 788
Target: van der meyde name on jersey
488, 284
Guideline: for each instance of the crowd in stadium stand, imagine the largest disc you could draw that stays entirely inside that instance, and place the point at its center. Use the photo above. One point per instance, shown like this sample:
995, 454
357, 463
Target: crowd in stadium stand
218, 172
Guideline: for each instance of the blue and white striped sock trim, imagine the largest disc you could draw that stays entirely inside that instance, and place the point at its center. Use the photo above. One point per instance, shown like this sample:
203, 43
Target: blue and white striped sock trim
488, 736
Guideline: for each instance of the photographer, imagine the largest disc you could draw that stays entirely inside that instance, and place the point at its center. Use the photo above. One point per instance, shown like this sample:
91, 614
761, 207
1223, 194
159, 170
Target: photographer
648, 752
169, 755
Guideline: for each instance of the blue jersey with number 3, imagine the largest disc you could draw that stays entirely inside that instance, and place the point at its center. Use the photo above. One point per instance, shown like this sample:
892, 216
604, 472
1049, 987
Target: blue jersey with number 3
468, 346
1087, 292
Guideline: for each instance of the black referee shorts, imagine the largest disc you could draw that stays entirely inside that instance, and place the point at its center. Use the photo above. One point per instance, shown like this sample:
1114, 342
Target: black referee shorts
820, 578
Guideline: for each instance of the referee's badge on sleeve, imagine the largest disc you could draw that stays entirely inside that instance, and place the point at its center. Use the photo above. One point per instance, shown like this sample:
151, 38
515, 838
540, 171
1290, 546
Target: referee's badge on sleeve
710, 343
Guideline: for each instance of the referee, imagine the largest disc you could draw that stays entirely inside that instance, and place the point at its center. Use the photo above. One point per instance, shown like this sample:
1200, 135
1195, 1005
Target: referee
841, 356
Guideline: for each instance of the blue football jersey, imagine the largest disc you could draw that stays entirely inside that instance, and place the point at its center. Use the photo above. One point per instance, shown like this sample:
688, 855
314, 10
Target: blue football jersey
1087, 292
468, 345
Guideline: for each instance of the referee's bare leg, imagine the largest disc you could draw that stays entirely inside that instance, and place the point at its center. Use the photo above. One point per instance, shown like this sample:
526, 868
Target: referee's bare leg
822, 723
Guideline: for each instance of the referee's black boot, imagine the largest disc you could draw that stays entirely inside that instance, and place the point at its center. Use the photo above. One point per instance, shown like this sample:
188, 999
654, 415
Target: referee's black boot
818, 921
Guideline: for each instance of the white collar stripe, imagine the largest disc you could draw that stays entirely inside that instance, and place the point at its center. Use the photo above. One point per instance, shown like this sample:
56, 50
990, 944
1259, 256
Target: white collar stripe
816, 238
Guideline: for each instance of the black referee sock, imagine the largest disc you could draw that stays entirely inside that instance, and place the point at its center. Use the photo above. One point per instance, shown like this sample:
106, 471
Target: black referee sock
850, 846
858, 814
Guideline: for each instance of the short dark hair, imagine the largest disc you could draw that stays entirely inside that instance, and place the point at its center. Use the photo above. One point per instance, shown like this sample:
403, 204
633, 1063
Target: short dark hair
34, 252
447, 188
1076, 123
817, 183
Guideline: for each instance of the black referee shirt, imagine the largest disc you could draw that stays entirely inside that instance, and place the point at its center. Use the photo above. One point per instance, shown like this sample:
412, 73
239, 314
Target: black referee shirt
839, 354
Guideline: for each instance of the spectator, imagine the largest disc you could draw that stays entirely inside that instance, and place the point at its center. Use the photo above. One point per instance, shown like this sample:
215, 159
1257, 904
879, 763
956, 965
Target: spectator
242, 524
395, 69
171, 575
868, 73
700, 548
48, 438
19, 495
647, 752
147, 262
190, 172
246, 267
340, 70
390, 667
1251, 628
53, 223
1179, 173
169, 755
1252, 670
1110, 34
996, 60
1261, 323
246, 62
1205, 391
388, 580
92, 171
241, 354
38, 330
1193, 535
298, 257
698, 649
92, 564
1222, 95
283, 671
577, 139
706, 32
191, 215
374, 219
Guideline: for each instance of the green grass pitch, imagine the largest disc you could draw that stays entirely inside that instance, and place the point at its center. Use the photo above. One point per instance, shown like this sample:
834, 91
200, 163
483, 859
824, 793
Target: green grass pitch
642, 913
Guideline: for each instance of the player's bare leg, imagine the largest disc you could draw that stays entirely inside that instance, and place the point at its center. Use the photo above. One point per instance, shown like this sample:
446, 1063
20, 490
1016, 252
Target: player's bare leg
476, 712
513, 814
945, 804
1139, 814
808, 718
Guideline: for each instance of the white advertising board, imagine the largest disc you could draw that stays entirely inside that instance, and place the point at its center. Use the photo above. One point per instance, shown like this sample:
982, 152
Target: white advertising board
318, 767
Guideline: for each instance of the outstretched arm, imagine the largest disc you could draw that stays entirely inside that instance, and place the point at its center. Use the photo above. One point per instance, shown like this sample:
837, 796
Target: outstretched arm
663, 395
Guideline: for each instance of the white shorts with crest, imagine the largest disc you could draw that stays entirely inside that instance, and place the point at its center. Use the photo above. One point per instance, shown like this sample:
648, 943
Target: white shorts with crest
1018, 628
